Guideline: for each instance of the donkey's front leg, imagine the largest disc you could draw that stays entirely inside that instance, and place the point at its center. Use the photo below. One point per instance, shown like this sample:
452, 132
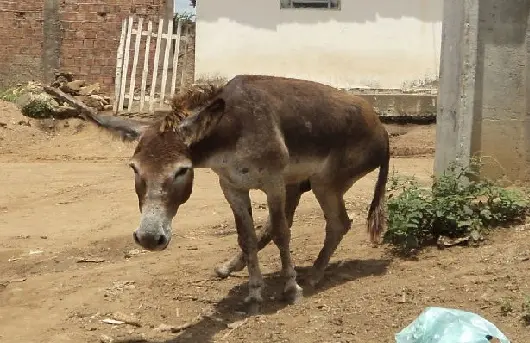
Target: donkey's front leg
238, 262
281, 235
239, 201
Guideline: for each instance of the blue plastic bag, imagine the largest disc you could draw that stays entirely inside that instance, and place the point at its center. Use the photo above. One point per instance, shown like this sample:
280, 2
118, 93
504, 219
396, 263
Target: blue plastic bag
443, 325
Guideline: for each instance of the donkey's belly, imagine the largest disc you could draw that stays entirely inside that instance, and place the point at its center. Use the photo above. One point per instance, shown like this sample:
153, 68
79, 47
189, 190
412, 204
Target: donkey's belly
299, 170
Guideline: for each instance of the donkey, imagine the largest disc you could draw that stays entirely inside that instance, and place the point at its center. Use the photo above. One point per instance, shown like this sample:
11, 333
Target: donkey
280, 135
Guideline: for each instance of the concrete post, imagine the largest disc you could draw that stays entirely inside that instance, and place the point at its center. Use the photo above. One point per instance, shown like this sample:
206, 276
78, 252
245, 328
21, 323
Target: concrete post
484, 87
456, 112
52, 36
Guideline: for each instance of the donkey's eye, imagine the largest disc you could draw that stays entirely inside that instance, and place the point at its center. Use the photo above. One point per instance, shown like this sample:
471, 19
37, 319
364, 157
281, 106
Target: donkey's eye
180, 172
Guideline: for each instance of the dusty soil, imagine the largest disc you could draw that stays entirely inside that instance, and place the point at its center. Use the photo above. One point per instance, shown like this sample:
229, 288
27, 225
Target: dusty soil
67, 195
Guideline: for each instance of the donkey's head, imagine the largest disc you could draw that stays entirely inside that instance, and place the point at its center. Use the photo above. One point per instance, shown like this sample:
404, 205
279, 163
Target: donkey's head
162, 164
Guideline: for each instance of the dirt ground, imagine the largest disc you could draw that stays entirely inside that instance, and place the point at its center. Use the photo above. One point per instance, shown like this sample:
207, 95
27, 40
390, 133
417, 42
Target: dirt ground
67, 197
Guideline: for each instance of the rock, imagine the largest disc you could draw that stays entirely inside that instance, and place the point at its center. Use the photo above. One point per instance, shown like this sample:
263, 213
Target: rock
73, 87
164, 328
132, 253
107, 108
105, 339
104, 100
65, 111
62, 78
98, 98
444, 241
126, 319
59, 82
237, 324
65, 75
112, 321
90, 102
90, 89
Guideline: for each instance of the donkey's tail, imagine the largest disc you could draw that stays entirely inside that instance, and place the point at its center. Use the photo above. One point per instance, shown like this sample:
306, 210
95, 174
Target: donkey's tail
376, 213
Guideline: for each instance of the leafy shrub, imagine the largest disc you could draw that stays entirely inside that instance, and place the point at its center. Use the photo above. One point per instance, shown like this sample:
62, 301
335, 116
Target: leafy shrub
8, 95
457, 205
37, 109
32, 100
526, 311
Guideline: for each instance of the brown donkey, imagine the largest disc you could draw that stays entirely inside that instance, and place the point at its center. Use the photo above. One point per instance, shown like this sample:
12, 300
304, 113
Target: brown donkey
279, 135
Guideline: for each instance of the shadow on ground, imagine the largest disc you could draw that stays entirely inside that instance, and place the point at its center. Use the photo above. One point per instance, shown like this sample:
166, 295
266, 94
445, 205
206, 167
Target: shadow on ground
226, 310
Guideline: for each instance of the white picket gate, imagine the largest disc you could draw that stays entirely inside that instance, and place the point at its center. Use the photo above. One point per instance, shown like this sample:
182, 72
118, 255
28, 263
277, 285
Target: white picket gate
123, 74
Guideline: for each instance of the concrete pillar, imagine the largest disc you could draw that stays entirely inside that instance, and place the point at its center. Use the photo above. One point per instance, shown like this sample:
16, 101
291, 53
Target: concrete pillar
52, 37
483, 101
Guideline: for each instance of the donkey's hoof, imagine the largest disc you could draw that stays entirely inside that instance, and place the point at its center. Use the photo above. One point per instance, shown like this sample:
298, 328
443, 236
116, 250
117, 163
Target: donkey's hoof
253, 306
293, 293
222, 271
314, 278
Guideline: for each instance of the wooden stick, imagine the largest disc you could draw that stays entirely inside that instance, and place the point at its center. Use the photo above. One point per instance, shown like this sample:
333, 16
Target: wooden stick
64, 97
125, 64
153, 35
166, 62
176, 53
155, 66
119, 66
90, 114
132, 83
146, 64
185, 62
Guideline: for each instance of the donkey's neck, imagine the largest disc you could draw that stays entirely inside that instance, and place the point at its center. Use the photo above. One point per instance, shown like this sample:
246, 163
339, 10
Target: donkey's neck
207, 155
218, 149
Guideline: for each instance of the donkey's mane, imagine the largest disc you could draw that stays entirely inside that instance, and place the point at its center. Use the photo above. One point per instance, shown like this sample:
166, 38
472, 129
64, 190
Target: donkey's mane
185, 101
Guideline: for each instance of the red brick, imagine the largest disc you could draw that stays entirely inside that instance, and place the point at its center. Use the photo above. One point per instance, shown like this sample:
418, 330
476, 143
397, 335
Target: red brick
80, 16
84, 69
91, 33
88, 43
69, 16
80, 34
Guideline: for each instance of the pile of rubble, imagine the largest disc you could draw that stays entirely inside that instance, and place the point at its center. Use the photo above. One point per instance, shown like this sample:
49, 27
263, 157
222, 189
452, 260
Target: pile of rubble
32, 97
89, 94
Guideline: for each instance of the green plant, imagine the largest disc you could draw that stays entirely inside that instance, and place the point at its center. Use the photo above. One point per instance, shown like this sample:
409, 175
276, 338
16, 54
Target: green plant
10, 94
37, 109
506, 307
409, 214
457, 205
211, 79
186, 17
526, 311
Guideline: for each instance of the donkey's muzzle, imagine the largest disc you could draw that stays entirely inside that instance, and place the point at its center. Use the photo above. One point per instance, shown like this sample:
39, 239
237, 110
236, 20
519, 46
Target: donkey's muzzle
151, 241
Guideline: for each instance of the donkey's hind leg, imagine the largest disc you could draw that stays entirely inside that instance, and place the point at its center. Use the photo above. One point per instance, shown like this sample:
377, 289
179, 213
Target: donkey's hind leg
331, 200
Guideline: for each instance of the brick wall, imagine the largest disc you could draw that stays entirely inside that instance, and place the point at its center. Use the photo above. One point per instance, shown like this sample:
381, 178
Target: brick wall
21, 38
88, 37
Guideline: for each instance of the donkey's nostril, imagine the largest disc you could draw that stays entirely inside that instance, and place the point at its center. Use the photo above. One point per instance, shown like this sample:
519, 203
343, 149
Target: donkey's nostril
150, 241
162, 241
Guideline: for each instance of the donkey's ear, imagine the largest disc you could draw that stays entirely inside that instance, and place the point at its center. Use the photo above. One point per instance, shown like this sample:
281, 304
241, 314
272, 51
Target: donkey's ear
126, 129
199, 125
